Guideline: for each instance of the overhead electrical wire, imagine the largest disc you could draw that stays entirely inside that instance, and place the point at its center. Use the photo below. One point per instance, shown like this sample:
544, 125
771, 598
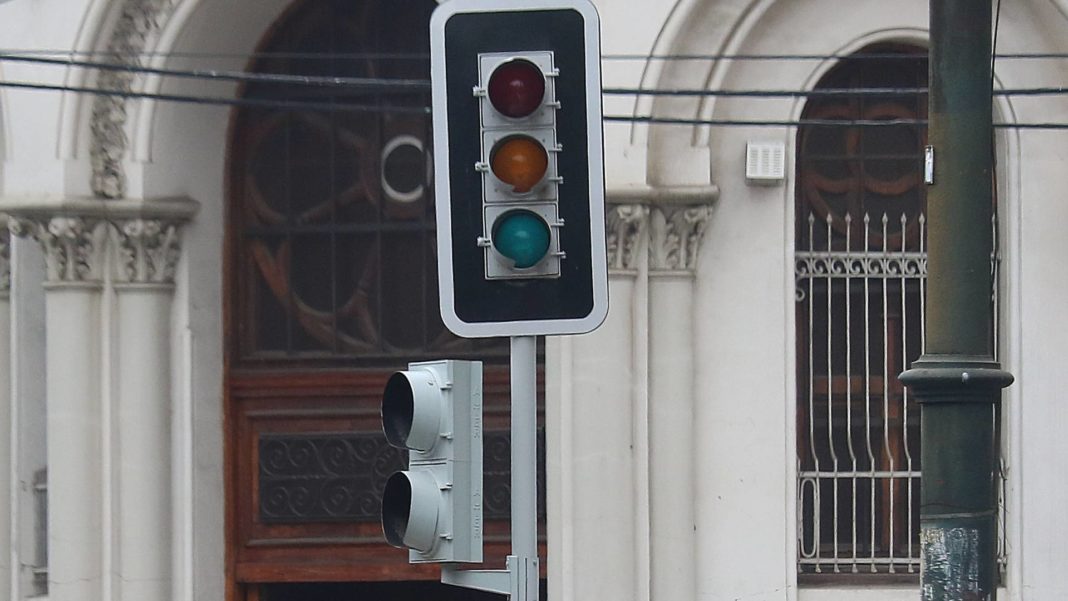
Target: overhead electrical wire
342, 107
384, 87
812, 57
307, 105
426, 56
376, 84
380, 85
813, 122
840, 92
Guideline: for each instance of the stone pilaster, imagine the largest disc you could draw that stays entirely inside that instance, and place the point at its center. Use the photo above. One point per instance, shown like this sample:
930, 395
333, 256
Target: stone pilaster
7, 426
132, 247
676, 230
74, 255
147, 252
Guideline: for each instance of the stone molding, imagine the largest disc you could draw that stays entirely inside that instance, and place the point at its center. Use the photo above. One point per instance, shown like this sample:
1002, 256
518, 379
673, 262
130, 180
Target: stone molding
76, 234
672, 219
137, 21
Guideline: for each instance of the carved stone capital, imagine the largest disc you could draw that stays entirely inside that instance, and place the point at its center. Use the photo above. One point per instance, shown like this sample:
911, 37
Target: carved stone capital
148, 250
626, 225
137, 21
76, 234
5, 258
74, 247
676, 232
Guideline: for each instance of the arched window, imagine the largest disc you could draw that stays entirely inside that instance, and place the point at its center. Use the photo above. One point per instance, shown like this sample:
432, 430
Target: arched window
332, 285
333, 217
860, 270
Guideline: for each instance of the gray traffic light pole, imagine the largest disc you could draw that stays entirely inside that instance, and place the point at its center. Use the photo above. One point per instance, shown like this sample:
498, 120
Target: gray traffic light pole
524, 365
521, 579
957, 381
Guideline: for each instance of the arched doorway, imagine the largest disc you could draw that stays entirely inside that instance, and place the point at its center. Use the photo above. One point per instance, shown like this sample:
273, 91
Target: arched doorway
330, 287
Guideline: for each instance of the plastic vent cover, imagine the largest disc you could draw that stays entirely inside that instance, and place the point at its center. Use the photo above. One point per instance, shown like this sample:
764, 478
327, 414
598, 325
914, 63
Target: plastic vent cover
765, 162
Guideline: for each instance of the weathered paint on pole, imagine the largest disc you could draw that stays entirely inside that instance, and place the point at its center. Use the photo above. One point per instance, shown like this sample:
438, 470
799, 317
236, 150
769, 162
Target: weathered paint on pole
957, 381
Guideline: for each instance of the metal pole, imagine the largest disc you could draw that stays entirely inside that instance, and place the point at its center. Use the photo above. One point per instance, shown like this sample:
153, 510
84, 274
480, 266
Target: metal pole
957, 381
524, 466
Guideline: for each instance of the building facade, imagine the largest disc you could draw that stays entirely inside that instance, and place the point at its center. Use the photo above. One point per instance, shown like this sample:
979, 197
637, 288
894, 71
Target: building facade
201, 302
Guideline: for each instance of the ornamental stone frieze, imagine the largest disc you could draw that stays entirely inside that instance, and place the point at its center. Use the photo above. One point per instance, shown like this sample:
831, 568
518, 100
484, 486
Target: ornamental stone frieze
672, 219
148, 250
137, 22
73, 246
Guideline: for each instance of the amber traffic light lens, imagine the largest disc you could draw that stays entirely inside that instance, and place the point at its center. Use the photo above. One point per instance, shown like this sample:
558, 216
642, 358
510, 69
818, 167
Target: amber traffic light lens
520, 162
516, 88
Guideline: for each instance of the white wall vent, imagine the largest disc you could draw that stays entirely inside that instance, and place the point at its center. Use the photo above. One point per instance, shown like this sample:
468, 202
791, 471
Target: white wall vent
765, 163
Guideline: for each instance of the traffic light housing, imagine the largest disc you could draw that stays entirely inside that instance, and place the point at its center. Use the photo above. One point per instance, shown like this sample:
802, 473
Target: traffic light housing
519, 167
434, 508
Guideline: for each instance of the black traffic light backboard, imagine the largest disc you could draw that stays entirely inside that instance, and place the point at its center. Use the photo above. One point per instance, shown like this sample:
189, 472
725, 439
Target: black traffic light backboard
521, 248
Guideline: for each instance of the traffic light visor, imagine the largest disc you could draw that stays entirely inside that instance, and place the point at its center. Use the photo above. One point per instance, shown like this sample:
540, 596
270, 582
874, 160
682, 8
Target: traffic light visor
410, 510
516, 88
411, 410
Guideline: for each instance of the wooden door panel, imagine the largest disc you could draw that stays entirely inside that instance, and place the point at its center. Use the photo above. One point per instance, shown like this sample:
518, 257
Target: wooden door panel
309, 462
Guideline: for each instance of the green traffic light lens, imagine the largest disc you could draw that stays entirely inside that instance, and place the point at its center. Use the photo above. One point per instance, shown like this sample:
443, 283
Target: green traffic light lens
521, 236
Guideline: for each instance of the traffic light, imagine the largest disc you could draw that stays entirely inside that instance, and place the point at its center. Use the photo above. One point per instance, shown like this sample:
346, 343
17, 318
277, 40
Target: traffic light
434, 508
519, 167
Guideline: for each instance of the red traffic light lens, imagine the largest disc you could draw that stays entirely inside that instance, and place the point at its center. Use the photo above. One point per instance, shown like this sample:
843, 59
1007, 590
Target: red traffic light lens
516, 88
520, 162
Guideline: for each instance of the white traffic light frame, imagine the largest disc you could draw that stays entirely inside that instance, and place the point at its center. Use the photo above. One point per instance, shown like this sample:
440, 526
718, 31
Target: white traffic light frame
435, 506
575, 300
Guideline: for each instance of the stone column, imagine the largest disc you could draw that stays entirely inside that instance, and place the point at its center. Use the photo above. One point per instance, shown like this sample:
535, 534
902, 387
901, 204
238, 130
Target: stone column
675, 236
7, 471
589, 414
109, 501
146, 252
74, 251
628, 230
